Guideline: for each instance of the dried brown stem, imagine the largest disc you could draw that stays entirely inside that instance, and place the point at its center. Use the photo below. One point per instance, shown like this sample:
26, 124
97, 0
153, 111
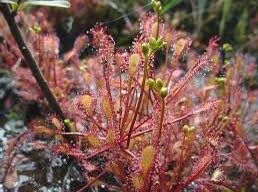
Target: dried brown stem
30, 60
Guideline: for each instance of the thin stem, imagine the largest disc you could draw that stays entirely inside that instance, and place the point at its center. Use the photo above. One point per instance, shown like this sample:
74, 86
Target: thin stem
141, 123
74, 133
158, 21
127, 107
107, 84
126, 137
110, 146
161, 118
139, 101
129, 153
180, 162
120, 104
253, 156
191, 178
30, 60
91, 182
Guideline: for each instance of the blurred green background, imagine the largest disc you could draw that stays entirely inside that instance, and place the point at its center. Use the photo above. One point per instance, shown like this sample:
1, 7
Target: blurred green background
235, 21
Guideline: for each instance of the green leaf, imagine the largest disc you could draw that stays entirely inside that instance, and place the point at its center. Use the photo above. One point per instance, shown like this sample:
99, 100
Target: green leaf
13, 4
54, 3
170, 5
9, 2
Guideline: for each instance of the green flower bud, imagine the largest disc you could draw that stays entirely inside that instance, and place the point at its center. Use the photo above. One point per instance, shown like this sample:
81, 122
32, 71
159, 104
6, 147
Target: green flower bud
163, 92
151, 82
227, 47
153, 3
159, 84
160, 42
35, 29
153, 43
67, 122
145, 49
188, 130
159, 9
156, 5
220, 81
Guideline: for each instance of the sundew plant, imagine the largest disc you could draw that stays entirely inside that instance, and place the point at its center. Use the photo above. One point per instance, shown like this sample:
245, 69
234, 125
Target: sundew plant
156, 116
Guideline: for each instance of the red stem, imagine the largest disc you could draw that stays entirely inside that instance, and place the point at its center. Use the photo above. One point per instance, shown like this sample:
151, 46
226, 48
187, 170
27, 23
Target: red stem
138, 103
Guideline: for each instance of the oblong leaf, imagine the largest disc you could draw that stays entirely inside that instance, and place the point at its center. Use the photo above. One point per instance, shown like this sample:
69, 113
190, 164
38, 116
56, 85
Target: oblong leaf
12, 3
8, 1
54, 3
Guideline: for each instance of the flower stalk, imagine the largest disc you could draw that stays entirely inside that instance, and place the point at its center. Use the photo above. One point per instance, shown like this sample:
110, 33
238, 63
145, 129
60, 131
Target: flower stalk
145, 71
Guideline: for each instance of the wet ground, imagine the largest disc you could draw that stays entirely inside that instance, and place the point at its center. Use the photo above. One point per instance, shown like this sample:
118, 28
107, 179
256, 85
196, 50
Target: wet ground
24, 168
